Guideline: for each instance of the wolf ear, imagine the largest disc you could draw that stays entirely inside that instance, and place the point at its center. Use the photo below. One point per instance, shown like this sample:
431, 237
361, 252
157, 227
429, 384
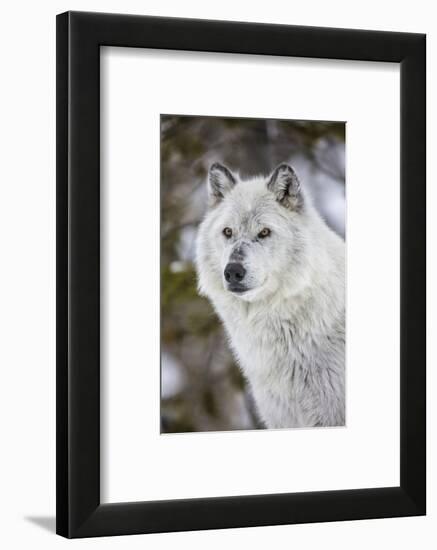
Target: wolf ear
220, 182
284, 183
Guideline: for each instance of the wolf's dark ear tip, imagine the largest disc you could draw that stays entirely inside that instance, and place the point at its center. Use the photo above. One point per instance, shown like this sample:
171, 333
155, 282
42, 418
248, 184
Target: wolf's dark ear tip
221, 174
285, 169
216, 166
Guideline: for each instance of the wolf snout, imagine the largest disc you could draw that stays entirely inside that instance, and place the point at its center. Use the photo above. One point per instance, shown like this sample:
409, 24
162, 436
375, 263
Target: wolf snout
234, 273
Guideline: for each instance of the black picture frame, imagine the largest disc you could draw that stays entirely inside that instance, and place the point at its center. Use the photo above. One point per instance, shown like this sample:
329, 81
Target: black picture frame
79, 511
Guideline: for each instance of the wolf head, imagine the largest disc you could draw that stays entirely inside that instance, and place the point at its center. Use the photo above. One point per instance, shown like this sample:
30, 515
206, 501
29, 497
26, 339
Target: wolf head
252, 239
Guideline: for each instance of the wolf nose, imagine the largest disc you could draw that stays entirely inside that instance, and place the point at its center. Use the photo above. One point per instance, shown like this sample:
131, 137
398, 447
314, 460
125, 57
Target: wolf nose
234, 273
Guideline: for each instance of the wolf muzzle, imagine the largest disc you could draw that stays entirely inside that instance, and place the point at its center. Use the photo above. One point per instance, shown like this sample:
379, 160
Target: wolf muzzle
234, 275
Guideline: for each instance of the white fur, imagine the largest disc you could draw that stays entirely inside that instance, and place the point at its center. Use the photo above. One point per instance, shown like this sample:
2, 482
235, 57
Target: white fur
287, 331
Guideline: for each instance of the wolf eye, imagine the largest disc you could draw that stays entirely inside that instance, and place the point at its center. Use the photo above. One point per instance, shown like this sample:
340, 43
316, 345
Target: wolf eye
264, 233
227, 232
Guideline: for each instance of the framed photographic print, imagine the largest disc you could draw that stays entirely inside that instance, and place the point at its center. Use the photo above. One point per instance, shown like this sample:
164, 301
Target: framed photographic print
240, 274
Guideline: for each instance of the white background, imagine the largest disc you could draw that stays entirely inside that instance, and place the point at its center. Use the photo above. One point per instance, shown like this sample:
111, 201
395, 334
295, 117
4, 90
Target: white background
139, 463
27, 291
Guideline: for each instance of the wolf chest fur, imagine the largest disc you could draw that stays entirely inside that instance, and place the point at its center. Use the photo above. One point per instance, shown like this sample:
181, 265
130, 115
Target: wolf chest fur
274, 273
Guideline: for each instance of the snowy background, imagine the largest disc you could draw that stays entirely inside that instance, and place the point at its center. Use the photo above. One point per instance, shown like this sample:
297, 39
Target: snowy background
201, 386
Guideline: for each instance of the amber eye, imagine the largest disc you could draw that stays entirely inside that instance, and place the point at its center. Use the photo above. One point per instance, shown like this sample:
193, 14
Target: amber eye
264, 233
227, 232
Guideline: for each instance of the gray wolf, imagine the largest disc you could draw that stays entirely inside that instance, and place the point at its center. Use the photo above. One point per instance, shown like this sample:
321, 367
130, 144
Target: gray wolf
275, 274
